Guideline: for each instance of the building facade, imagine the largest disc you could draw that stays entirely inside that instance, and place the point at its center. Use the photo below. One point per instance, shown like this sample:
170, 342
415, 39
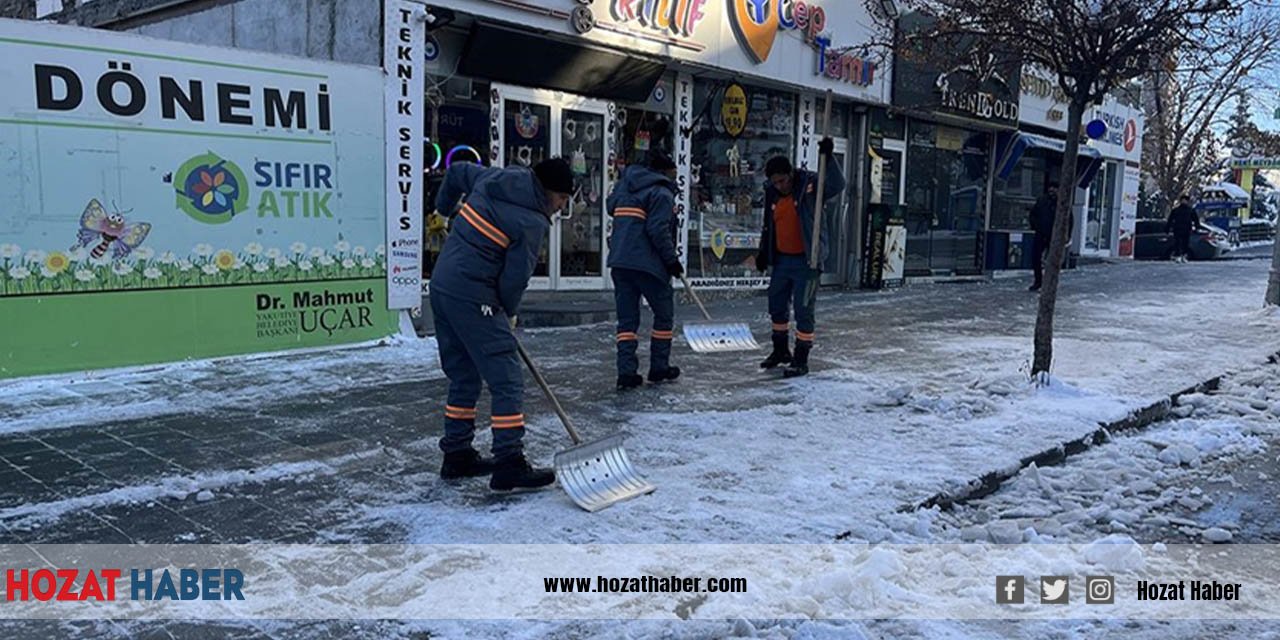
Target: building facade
515, 82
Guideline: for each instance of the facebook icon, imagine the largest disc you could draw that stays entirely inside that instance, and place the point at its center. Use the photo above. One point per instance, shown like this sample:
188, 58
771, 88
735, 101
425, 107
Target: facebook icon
1009, 589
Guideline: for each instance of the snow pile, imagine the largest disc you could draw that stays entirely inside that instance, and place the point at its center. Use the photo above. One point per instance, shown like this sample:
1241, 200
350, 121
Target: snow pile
1127, 482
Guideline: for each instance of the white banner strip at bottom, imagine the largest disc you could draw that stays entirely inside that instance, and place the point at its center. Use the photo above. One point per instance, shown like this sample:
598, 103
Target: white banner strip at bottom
1113, 578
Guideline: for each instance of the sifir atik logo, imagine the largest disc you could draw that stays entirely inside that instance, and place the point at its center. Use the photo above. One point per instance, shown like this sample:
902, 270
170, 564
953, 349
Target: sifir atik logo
78, 585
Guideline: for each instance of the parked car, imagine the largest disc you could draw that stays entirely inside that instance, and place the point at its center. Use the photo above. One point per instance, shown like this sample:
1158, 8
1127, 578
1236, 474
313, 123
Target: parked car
1153, 241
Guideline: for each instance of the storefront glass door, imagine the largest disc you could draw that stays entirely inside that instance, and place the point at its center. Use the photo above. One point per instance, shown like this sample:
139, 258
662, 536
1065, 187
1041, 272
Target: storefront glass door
582, 227
541, 124
946, 199
1102, 210
837, 222
528, 142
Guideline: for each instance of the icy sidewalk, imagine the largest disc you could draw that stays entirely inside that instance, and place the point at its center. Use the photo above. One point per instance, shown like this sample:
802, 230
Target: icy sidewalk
913, 391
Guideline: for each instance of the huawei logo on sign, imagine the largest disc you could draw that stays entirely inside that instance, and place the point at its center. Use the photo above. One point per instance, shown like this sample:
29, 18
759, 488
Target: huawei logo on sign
756, 24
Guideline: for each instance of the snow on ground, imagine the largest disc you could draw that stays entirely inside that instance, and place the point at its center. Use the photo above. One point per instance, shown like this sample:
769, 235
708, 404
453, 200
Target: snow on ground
1130, 485
67, 400
914, 391
910, 398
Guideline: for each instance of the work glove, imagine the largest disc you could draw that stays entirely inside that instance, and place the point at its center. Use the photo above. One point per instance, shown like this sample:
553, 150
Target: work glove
762, 261
827, 146
513, 320
675, 270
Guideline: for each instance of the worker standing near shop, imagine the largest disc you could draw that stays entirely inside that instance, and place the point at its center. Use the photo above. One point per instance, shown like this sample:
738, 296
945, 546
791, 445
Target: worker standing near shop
642, 262
476, 288
790, 203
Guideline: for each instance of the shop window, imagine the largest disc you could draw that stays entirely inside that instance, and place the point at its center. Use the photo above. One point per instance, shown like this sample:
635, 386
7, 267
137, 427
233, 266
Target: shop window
946, 198
883, 124
646, 125
1012, 199
727, 195
641, 131
456, 132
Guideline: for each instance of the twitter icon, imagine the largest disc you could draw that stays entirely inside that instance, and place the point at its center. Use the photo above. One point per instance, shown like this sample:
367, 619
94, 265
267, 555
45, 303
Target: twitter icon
1054, 590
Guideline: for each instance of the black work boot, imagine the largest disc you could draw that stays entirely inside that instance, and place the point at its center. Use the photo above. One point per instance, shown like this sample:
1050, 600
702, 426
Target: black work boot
781, 353
467, 463
629, 381
663, 375
516, 474
799, 364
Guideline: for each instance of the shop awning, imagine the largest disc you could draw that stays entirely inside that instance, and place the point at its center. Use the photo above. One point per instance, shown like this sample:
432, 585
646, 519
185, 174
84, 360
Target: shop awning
521, 58
1014, 144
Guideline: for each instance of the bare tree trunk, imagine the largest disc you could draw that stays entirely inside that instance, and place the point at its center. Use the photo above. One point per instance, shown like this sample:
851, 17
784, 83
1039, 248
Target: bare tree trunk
1043, 360
1273, 284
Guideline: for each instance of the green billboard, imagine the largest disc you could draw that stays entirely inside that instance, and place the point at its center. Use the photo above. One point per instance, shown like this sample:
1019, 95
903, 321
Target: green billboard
161, 201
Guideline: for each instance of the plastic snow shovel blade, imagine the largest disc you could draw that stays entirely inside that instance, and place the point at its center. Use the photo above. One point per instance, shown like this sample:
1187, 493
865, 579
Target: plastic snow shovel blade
598, 474
708, 337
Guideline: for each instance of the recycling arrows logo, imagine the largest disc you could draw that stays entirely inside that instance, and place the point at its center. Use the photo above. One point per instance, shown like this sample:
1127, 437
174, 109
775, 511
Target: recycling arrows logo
755, 22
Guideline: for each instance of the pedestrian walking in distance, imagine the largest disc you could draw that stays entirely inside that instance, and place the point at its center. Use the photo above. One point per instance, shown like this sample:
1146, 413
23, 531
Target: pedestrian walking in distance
643, 260
1182, 221
1043, 214
790, 202
476, 288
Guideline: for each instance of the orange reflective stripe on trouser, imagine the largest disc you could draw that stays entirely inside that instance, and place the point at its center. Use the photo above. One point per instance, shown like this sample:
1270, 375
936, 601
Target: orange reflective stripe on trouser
459, 413
662, 335
804, 337
485, 227
630, 212
626, 336
781, 326
508, 422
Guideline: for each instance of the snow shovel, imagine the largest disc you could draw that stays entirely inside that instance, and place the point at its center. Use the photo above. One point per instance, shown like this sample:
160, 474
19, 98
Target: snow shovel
713, 337
596, 474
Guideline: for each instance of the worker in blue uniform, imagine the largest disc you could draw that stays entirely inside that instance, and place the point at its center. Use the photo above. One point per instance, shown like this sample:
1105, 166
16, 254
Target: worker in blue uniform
476, 287
642, 262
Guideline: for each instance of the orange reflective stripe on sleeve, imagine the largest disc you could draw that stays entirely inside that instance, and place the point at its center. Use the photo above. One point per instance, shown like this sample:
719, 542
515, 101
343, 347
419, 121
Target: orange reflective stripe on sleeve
485, 227
626, 336
630, 212
508, 422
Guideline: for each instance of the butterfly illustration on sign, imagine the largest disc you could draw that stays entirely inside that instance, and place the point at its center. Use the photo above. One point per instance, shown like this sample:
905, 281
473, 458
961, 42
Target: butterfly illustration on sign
110, 231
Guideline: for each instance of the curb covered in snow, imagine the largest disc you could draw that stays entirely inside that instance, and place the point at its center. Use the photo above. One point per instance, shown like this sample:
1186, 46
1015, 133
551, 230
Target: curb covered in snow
1138, 419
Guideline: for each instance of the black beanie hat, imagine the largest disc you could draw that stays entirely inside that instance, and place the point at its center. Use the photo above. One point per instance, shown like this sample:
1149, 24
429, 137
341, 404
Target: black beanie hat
659, 161
555, 175
657, 158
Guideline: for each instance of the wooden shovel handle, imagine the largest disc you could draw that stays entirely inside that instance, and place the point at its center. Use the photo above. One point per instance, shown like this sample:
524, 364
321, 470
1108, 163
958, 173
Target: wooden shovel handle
546, 390
688, 287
